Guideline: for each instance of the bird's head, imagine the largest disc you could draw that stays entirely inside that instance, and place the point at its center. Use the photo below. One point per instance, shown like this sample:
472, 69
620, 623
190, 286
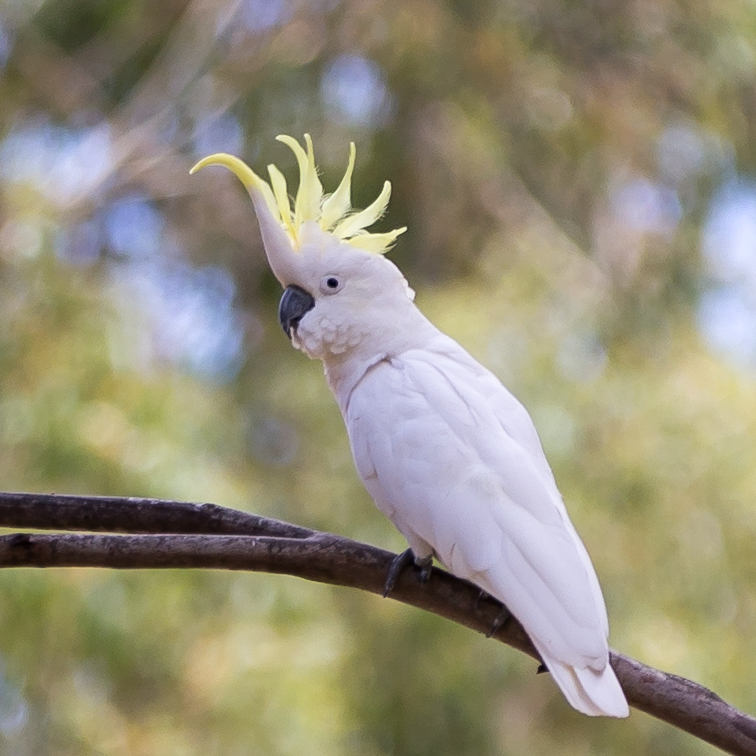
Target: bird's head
340, 291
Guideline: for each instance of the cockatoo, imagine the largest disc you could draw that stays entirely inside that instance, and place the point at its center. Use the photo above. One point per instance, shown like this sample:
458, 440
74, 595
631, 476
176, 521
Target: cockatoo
446, 452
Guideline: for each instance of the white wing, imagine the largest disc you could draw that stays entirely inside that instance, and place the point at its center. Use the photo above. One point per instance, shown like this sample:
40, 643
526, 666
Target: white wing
454, 460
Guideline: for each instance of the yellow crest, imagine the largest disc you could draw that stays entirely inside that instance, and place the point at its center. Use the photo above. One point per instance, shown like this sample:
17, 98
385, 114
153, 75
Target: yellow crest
332, 212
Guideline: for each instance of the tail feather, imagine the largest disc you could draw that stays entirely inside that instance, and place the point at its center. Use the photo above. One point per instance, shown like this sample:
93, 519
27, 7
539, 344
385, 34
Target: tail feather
597, 694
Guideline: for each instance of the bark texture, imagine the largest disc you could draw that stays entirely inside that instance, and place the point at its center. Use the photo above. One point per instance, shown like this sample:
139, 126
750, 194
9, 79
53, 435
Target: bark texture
169, 534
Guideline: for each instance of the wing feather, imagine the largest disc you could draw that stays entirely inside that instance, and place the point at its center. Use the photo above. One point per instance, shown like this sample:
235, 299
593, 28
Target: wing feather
453, 459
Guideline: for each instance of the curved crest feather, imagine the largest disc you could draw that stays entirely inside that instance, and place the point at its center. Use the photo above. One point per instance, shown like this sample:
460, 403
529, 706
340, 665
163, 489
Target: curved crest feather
333, 213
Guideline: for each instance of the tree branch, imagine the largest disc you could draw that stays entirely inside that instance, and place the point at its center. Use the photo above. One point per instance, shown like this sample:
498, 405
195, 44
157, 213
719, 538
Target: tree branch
120, 514
177, 534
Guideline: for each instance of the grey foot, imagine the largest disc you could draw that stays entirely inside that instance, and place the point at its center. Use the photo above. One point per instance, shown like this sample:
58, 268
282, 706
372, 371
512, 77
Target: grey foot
482, 596
400, 563
501, 619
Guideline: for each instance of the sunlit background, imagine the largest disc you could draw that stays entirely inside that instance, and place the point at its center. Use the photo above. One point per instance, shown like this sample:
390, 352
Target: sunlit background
579, 183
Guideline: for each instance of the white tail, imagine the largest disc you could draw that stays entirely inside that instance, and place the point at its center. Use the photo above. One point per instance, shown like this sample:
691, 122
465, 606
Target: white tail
596, 693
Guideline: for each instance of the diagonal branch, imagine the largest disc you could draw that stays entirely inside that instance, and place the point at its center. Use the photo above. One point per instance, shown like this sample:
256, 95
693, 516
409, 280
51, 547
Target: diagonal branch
212, 537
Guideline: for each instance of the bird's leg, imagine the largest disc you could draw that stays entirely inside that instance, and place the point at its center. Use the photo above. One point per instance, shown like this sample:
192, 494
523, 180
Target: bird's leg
426, 567
482, 596
400, 563
501, 619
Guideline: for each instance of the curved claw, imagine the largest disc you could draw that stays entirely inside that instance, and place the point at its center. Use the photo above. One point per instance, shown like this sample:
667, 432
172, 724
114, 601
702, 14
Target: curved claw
501, 619
482, 596
400, 563
426, 567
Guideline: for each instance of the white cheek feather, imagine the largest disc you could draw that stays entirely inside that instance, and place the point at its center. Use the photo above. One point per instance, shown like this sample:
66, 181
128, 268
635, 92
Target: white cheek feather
319, 335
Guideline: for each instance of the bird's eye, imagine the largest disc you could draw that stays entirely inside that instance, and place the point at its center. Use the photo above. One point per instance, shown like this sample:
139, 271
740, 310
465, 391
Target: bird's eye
330, 284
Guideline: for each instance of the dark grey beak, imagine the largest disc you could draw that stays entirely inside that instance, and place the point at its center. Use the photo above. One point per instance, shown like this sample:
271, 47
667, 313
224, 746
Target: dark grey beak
295, 302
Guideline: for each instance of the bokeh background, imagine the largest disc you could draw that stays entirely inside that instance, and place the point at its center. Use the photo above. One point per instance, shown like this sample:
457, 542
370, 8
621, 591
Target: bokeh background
579, 184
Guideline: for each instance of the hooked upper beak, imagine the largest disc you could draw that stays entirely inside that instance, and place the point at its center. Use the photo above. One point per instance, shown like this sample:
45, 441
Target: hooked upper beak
295, 302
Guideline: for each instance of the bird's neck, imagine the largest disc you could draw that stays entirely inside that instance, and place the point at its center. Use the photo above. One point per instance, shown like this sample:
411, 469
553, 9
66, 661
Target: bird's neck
344, 371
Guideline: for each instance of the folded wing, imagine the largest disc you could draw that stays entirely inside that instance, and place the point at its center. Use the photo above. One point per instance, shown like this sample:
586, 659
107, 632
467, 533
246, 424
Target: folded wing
454, 460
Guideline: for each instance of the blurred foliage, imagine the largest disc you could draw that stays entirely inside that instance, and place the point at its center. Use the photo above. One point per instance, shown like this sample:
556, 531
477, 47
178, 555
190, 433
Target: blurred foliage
575, 177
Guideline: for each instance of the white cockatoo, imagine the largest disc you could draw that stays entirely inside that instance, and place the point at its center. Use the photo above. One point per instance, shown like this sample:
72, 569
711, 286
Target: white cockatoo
446, 452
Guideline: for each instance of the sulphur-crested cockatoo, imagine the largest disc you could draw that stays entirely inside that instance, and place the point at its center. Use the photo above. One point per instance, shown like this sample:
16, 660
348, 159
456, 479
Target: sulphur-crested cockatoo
446, 452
